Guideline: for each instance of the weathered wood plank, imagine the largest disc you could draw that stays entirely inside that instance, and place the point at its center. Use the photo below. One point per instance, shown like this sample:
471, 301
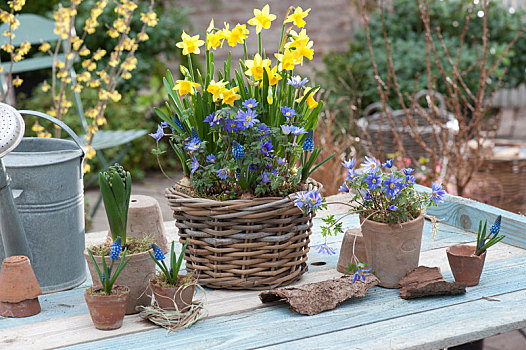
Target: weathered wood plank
466, 214
268, 326
435, 329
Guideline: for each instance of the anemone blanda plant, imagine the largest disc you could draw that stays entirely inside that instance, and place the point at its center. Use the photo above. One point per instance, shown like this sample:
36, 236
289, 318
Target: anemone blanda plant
246, 131
386, 195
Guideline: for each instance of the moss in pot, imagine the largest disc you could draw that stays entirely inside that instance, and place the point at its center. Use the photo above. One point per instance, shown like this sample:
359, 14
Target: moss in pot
172, 291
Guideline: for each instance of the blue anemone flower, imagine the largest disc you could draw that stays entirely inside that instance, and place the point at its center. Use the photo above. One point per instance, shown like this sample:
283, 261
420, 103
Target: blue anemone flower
157, 252
297, 130
211, 158
158, 134
438, 193
373, 181
351, 174
250, 103
116, 249
314, 199
222, 174
288, 112
324, 249
344, 188
410, 180
264, 177
238, 150
247, 119
301, 199
195, 165
296, 81
164, 125
393, 208
388, 164
308, 144
281, 161
349, 164
392, 186
266, 148
408, 171
370, 164
193, 145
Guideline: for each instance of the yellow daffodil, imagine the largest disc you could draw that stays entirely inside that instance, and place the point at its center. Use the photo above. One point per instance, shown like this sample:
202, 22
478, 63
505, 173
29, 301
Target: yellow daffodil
190, 44
297, 17
211, 26
287, 60
185, 86
256, 66
262, 18
230, 96
303, 51
214, 40
311, 102
216, 89
270, 100
273, 75
238, 35
298, 39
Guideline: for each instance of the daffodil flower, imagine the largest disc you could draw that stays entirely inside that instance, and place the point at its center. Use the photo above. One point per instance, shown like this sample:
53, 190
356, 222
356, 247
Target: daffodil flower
297, 17
216, 89
273, 75
185, 86
311, 102
256, 66
190, 44
262, 18
238, 35
230, 96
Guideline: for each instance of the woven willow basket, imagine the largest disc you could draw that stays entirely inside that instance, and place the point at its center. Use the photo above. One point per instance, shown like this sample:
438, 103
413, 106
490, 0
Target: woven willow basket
243, 244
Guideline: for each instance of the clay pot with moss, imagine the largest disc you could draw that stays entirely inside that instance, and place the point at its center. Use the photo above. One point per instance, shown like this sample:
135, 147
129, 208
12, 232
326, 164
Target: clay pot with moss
107, 311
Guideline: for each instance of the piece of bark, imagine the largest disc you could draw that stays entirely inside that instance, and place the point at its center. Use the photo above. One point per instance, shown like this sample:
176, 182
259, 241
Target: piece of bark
426, 281
313, 298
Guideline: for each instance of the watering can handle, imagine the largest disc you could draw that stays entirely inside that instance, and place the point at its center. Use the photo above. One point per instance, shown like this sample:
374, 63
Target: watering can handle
64, 127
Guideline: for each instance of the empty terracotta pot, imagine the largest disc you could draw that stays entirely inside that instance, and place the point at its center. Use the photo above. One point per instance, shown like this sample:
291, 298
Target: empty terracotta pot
465, 266
107, 311
392, 250
136, 276
352, 237
168, 298
19, 288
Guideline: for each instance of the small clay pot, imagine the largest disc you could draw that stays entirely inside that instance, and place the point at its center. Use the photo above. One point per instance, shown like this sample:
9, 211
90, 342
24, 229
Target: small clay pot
169, 298
19, 288
136, 276
145, 219
392, 249
465, 265
352, 237
107, 311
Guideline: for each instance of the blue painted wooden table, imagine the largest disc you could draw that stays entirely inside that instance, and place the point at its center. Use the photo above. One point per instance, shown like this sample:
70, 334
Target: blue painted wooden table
380, 320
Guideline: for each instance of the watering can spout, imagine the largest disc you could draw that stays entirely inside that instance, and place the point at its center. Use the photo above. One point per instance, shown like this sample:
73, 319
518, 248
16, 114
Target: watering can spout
13, 236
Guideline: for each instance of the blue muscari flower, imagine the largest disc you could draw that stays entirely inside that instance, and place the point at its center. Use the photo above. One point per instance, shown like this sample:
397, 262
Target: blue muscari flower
157, 252
410, 180
370, 164
103, 276
247, 119
164, 125
195, 165
116, 249
408, 171
211, 158
195, 135
250, 103
193, 145
437, 194
178, 122
388, 164
392, 186
288, 112
297, 130
266, 148
343, 188
351, 174
296, 81
281, 161
349, 164
324, 249
393, 207
308, 144
171, 272
373, 181
158, 134
238, 174
495, 228
237, 150
222, 174
264, 177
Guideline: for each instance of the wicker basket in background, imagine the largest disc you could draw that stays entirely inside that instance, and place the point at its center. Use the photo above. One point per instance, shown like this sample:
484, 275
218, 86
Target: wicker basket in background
243, 244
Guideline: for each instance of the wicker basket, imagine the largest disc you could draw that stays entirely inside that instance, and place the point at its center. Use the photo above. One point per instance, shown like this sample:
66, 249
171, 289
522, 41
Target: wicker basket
375, 122
243, 244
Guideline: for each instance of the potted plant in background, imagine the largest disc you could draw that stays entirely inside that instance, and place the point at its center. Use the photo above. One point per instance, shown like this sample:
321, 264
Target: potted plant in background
115, 185
391, 216
467, 261
245, 140
172, 291
107, 303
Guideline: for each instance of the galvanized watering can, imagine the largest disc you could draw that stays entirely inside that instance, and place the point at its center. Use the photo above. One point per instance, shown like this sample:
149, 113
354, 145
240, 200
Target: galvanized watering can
46, 181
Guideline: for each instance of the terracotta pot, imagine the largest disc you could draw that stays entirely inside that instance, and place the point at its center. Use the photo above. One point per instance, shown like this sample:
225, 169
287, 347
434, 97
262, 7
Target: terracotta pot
19, 289
136, 276
107, 311
346, 250
466, 266
392, 250
168, 298
145, 219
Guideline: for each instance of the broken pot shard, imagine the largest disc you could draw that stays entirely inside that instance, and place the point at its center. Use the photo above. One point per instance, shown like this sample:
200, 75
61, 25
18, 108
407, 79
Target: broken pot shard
313, 298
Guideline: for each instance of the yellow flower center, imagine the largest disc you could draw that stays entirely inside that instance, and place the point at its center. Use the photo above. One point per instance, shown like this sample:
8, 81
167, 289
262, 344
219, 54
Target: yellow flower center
373, 181
392, 186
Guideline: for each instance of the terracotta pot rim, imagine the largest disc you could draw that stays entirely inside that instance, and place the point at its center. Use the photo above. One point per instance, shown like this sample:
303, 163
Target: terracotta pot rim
371, 222
127, 255
96, 288
153, 281
459, 254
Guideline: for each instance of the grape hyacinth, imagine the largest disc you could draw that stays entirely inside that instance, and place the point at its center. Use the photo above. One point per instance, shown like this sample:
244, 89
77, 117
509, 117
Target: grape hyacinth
157, 252
308, 144
116, 249
238, 151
